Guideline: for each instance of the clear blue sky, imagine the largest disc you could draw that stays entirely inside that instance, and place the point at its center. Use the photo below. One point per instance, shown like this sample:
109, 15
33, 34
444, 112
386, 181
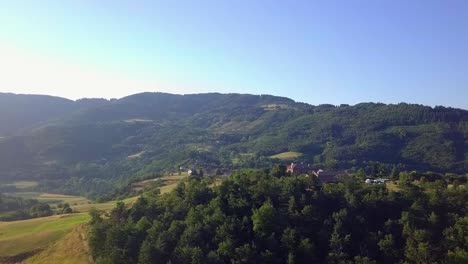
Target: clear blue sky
312, 51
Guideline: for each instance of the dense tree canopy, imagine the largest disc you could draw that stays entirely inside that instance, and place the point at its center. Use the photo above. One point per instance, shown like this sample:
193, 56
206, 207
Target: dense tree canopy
258, 216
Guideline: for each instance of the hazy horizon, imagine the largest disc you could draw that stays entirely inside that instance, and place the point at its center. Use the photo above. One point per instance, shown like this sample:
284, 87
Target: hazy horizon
315, 52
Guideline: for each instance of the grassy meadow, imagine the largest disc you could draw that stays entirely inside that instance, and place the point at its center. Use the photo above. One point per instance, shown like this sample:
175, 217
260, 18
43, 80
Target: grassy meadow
287, 156
51, 198
107, 206
70, 249
25, 184
25, 236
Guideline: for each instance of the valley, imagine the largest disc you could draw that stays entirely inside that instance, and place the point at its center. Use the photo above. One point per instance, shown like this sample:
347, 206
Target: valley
234, 132
99, 147
235, 154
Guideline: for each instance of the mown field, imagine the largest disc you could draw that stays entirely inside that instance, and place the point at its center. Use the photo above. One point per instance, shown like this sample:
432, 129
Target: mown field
71, 249
20, 239
287, 156
23, 184
167, 184
51, 198
49, 239
107, 206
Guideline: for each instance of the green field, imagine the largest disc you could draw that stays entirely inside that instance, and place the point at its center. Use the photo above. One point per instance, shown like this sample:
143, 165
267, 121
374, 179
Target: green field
80, 204
22, 184
21, 237
288, 156
107, 206
168, 188
167, 183
52, 199
25, 184
59, 198
71, 249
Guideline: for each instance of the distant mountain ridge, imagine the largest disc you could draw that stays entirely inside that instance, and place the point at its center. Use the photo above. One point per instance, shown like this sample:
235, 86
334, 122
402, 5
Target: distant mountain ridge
59, 139
19, 113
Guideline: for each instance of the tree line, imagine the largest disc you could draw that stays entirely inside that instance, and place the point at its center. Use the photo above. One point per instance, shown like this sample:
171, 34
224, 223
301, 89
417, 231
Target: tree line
17, 208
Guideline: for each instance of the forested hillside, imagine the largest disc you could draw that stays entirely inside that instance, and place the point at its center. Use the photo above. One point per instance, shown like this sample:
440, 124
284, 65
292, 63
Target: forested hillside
93, 146
264, 216
20, 113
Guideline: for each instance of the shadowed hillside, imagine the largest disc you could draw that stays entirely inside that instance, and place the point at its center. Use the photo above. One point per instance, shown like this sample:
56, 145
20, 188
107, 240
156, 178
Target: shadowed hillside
88, 151
19, 113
